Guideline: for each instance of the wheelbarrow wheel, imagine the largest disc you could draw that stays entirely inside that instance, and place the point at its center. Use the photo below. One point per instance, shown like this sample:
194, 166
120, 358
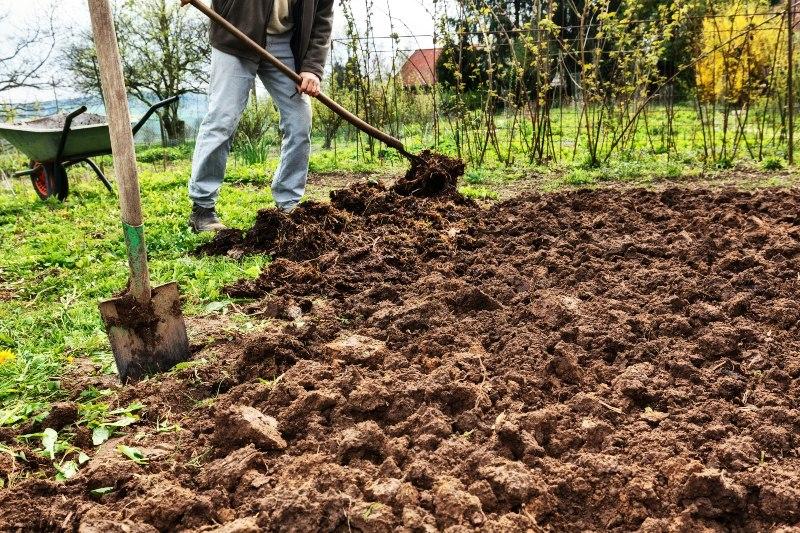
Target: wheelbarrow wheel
49, 179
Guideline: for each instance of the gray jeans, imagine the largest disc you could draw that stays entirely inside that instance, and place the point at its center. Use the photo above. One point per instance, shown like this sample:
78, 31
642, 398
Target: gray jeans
231, 80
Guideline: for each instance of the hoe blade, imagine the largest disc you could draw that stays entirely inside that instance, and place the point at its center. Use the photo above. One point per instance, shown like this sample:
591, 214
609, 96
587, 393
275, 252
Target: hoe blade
146, 339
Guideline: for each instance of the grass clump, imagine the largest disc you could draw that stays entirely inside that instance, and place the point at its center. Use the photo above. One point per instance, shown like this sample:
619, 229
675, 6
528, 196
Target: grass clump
478, 193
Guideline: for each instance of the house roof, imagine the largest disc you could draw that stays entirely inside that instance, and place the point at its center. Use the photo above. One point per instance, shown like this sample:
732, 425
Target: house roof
420, 68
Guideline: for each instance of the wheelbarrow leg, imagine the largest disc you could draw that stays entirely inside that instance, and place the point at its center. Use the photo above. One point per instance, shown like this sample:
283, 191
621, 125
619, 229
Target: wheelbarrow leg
96, 169
100, 175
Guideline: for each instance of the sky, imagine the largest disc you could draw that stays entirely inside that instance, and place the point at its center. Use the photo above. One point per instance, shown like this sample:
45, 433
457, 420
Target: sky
411, 17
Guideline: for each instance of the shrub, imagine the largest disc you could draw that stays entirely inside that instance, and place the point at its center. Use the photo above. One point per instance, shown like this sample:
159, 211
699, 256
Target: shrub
260, 120
772, 164
737, 53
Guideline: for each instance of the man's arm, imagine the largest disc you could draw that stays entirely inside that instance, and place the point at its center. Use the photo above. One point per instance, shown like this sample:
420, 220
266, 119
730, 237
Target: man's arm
320, 43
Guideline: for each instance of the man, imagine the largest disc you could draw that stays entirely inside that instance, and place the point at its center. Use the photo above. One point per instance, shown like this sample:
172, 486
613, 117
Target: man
298, 33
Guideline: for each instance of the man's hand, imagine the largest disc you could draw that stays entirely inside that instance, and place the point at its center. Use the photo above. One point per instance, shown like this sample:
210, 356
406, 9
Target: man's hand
311, 84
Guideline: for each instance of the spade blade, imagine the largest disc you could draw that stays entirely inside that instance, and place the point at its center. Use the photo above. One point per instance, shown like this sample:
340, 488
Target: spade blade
146, 339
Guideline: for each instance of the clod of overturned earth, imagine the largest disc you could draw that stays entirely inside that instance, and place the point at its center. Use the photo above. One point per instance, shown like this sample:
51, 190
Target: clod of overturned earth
305, 233
61, 415
227, 472
360, 197
714, 494
241, 425
430, 175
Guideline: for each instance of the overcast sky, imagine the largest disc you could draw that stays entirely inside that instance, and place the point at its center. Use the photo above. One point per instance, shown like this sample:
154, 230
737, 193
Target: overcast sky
411, 17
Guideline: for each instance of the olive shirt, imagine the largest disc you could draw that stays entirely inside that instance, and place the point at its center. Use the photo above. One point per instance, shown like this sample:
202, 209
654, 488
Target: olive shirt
281, 20
312, 24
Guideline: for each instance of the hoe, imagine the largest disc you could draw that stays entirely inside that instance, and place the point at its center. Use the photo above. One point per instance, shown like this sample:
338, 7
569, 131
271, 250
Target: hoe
325, 99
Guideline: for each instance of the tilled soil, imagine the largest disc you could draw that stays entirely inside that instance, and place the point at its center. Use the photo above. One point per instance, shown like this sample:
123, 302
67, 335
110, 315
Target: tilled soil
590, 360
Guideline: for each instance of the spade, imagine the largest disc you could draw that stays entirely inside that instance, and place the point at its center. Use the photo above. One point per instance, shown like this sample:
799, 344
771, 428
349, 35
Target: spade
145, 325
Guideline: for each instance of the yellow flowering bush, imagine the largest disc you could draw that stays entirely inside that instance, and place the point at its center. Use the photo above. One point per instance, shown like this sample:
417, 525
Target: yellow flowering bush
738, 52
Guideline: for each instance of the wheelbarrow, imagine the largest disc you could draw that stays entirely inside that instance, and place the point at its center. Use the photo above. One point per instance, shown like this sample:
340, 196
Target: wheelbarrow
53, 150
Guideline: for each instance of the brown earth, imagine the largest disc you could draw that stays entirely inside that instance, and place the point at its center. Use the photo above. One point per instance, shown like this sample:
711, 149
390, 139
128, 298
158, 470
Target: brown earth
590, 360
57, 121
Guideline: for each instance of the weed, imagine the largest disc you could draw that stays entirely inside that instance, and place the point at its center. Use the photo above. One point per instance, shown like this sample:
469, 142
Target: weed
579, 177
724, 163
475, 176
772, 164
270, 383
134, 454
479, 193
254, 152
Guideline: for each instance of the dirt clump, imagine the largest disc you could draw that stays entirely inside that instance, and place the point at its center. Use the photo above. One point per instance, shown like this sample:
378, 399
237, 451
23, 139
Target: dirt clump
587, 360
360, 198
308, 231
430, 175
242, 424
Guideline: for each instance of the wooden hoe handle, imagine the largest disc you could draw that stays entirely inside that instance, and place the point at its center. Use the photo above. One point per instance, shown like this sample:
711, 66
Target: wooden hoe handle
119, 125
369, 129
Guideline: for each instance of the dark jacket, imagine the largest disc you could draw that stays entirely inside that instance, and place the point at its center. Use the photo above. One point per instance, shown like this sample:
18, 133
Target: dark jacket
311, 39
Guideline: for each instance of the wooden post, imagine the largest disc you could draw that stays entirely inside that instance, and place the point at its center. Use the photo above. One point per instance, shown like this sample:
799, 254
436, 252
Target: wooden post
790, 79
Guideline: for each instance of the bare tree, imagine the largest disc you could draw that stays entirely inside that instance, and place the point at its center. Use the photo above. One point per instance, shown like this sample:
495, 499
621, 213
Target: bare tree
164, 53
23, 54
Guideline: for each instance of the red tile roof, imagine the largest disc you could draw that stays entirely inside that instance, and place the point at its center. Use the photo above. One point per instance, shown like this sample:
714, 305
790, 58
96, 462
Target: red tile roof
420, 69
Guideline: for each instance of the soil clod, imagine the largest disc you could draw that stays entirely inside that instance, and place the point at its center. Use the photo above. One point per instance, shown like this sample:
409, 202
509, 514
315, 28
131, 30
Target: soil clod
431, 175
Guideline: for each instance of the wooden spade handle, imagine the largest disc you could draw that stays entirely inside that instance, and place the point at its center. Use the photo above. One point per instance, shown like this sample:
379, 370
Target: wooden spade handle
119, 125
369, 129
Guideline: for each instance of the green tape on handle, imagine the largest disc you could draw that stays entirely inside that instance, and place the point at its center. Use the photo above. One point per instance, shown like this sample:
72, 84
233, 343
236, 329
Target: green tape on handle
137, 258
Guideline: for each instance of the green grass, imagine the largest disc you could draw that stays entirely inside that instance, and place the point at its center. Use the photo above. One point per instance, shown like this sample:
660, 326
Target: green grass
60, 260
478, 193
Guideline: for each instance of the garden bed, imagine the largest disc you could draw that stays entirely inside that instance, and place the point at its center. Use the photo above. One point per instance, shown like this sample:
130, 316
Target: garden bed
608, 359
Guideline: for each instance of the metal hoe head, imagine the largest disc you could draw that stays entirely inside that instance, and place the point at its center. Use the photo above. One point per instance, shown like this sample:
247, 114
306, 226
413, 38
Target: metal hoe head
146, 339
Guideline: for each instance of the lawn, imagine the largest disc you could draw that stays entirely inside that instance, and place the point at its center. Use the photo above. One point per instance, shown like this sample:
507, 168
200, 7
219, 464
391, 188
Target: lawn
60, 260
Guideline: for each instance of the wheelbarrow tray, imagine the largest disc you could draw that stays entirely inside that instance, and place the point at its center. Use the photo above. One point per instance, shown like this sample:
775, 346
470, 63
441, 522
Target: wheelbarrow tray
57, 142
84, 136
41, 144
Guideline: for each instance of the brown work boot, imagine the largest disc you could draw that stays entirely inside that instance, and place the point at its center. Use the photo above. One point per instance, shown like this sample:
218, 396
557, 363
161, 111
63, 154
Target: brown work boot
205, 219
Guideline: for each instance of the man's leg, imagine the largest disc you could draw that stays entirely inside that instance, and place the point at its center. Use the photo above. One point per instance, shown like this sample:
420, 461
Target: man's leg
289, 182
231, 80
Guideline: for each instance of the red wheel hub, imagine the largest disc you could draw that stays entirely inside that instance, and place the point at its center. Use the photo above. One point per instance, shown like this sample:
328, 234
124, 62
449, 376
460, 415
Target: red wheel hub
40, 179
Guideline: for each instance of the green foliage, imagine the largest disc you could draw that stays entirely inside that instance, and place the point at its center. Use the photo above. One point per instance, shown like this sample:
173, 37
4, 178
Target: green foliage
773, 163
11, 161
254, 152
257, 132
134, 454
579, 177
59, 260
724, 163
104, 422
158, 154
479, 193
476, 176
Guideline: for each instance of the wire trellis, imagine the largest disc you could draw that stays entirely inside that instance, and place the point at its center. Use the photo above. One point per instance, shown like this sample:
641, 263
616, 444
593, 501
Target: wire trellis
502, 97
